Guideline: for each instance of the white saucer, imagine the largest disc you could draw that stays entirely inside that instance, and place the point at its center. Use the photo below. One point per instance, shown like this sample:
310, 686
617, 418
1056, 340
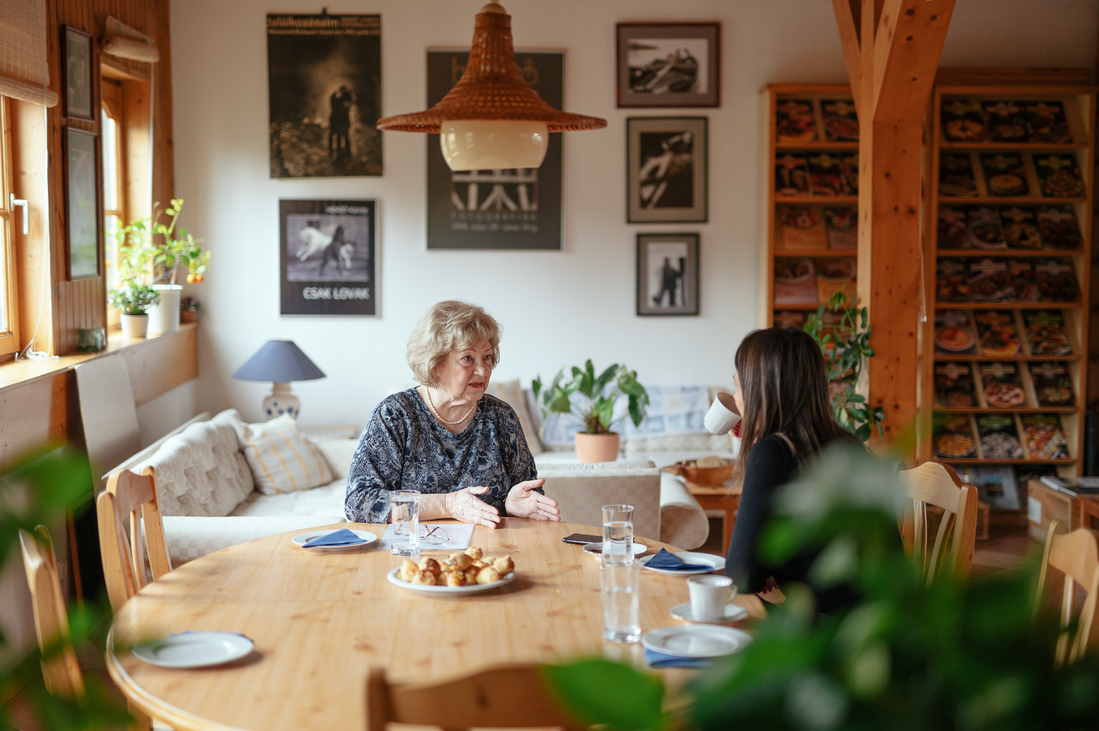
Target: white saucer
696, 640
597, 548
301, 539
733, 613
442, 590
194, 649
715, 563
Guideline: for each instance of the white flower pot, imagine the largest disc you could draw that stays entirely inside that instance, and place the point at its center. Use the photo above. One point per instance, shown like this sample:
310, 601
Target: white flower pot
135, 326
164, 317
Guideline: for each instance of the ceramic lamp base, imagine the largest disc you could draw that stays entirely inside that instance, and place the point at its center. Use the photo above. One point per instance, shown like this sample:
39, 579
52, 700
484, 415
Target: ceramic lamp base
281, 401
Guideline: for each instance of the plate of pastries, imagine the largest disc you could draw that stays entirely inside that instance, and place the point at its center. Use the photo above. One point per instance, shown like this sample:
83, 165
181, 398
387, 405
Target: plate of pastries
468, 572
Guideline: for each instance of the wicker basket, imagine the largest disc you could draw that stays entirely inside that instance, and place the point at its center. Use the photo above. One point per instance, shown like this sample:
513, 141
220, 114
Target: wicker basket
702, 476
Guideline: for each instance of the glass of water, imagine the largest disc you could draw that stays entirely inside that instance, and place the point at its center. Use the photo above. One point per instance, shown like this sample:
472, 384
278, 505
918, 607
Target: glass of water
617, 535
621, 613
406, 523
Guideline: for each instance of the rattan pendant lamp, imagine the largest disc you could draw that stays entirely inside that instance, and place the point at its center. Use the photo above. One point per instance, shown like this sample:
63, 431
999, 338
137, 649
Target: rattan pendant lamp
491, 119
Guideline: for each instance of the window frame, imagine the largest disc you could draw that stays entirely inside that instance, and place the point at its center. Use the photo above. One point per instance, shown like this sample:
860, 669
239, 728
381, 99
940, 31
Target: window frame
9, 338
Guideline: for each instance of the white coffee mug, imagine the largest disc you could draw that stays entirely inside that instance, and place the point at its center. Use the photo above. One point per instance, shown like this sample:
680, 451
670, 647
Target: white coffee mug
723, 414
709, 597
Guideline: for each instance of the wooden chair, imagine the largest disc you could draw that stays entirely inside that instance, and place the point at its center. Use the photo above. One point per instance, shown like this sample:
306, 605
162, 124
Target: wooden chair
51, 622
935, 484
513, 696
1076, 555
124, 566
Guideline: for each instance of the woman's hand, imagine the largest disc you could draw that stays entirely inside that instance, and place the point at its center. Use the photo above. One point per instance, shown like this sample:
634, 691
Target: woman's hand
524, 502
464, 505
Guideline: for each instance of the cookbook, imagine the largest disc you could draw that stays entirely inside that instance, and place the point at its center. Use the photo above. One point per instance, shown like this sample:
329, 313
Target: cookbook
952, 281
1004, 173
1046, 333
802, 227
1045, 439
849, 173
825, 177
1047, 123
1024, 282
953, 231
1057, 280
1058, 176
996, 330
954, 334
990, 281
952, 436
842, 225
1052, 384
1002, 385
985, 229
1058, 228
956, 178
794, 121
999, 437
791, 174
835, 275
795, 282
1007, 121
963, 120
1020, 227
954, 385
840, 121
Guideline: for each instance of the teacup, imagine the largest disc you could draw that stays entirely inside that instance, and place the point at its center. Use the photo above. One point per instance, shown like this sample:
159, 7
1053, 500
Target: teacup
723, 414
709, 597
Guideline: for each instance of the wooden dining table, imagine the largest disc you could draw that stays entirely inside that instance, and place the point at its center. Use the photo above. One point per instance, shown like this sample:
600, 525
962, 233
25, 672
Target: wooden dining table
320, 619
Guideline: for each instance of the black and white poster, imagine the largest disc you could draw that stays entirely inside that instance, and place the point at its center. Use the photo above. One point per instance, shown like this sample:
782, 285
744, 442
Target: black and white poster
328, 257
324, 73
495, 209
667, 274
666, 174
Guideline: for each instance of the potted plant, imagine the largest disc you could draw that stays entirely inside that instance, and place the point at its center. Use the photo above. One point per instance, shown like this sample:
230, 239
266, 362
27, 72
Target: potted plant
134, 300
596, 442
189, 307
154, 252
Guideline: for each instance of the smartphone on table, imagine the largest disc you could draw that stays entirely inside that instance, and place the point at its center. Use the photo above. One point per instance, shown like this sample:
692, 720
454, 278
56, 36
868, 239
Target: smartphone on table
582, 538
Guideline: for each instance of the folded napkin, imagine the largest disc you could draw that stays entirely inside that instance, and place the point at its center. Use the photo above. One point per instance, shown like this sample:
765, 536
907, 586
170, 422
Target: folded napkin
671, 562
342, 537
660, 660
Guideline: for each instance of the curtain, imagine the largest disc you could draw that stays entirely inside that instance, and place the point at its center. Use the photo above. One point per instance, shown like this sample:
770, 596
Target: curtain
23, 71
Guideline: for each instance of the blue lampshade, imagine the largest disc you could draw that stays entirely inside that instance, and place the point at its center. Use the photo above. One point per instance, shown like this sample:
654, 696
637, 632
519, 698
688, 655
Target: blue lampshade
279, 361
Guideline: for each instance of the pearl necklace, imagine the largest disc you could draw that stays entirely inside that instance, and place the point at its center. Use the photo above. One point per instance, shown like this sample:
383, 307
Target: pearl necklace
431, 403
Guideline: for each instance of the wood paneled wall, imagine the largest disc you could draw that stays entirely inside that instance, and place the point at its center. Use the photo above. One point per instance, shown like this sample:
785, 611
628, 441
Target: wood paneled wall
82, 303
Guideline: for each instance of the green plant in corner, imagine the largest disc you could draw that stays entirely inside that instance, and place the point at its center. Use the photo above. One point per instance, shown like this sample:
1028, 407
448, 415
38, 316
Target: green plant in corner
846, 345
133, 298
153, 251
601, 392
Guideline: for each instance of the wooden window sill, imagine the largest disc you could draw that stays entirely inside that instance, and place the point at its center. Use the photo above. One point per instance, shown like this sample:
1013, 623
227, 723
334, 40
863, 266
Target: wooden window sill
22, 372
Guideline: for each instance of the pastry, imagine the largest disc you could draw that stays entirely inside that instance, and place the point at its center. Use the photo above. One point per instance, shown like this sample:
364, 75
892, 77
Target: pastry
504, 565
488, 575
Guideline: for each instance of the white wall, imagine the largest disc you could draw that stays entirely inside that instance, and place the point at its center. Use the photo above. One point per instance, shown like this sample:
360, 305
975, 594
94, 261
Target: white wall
557, 308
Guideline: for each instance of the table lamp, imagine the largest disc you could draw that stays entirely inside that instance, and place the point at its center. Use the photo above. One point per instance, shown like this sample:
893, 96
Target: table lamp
279, 361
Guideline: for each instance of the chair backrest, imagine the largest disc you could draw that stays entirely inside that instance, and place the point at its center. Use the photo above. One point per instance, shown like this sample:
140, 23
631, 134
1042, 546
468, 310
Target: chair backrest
581, 491
128, 493
1076, 555
51, 623
939, 485
513, 696
108, 413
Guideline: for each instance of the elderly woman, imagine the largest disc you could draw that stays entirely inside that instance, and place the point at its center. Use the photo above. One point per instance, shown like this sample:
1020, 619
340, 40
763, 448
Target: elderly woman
464, 450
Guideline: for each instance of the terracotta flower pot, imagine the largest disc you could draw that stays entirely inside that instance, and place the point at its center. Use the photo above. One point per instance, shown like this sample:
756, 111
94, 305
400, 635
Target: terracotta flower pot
596, 448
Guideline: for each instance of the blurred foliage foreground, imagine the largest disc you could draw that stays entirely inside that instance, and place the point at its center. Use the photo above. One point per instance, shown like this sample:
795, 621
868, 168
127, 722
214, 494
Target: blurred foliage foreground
39, 490
954, 655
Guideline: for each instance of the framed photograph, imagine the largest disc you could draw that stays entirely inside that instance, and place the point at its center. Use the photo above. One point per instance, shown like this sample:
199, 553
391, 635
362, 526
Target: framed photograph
328, 257
666, 170
76, 73
667, 274
324, 75
669, 65
82, 204
495, 209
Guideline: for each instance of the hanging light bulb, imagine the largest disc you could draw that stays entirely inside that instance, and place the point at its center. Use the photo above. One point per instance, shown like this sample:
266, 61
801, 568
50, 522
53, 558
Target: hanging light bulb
491, 119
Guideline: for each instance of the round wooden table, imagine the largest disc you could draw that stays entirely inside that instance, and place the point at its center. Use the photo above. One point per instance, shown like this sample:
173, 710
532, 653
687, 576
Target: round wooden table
319, 619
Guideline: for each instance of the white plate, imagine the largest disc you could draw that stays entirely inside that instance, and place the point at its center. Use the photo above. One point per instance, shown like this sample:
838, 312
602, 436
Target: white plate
733, 613
301, 539
597, 548
716, 563
194, 649
434, 590
696, 640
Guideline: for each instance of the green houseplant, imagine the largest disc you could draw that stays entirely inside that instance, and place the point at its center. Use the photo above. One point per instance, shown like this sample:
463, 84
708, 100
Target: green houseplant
597, 441
134, 300
846, 346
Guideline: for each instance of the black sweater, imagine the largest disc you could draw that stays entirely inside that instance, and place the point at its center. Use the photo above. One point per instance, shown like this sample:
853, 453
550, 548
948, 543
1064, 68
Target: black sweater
771, 464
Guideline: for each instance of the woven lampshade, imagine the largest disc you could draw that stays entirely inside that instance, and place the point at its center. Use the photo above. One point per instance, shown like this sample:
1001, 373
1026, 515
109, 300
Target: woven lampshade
491, 87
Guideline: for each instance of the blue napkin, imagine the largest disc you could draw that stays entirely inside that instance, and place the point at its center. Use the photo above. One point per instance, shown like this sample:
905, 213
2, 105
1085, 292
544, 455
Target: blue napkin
342, 537
660, 660
671, 562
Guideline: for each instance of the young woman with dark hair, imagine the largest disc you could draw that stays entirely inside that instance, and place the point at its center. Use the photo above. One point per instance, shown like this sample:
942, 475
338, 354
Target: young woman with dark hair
782, 394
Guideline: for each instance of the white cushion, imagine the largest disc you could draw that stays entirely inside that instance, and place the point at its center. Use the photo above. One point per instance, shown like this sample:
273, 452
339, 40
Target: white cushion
321, 502
282, 458
582, 490
190, 537
338, 453
683, 522
512, 394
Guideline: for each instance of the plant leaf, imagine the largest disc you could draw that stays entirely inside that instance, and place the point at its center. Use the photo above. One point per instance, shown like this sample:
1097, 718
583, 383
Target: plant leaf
608, 694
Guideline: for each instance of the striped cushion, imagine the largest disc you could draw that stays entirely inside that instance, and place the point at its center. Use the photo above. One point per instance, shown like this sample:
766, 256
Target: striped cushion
282, 458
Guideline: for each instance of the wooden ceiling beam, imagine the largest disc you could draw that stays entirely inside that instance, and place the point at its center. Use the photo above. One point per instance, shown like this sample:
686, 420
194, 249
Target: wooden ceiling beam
907, 47
849, 19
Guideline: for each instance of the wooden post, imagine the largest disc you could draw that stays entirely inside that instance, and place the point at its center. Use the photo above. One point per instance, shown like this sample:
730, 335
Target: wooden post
892, 48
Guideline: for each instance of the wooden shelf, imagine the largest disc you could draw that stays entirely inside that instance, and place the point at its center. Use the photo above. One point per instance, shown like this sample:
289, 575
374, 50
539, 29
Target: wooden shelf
1010, 200
818, 145
796, 307
1011, 410
780, 199
813, 253
1008, 253
1005, 146
974, 460
1008, 305
1013, 358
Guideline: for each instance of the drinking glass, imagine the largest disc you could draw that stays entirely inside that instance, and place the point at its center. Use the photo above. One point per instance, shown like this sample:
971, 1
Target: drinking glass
621, 613
406, 523
617, 535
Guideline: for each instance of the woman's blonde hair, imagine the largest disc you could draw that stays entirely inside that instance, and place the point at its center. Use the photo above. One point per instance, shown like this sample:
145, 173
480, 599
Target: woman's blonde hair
449, 325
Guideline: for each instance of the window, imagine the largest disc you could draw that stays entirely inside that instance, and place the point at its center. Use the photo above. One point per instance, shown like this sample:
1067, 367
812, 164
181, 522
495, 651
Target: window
9, 313
112, 155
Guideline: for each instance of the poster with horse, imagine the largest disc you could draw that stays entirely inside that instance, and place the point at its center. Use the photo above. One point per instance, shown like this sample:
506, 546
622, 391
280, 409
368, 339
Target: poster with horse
327, 257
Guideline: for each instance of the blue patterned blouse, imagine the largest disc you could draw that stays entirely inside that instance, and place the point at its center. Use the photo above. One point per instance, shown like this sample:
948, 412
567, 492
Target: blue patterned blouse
405, 448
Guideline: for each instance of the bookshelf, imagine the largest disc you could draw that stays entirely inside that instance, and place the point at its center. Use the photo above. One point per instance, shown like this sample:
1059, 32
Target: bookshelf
810, 165
1007, 254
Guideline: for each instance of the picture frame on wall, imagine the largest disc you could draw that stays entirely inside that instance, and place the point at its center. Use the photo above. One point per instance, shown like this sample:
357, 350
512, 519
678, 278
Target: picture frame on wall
76, 74
669, 65
666, 170
328, 257
667, 274
82, 204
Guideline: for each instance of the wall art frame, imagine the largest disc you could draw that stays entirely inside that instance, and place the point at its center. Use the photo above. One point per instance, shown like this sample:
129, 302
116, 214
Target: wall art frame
82, 211
666, 170
667, 282
77, 92
668, 65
